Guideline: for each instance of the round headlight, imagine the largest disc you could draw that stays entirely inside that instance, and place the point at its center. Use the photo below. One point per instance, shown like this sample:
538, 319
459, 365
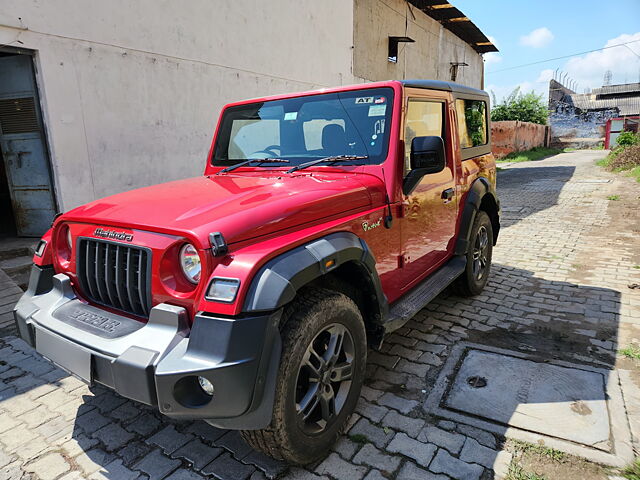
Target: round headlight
190, 263
69, 241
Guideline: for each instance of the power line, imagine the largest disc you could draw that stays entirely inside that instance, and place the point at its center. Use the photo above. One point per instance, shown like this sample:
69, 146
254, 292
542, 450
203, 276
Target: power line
565, 56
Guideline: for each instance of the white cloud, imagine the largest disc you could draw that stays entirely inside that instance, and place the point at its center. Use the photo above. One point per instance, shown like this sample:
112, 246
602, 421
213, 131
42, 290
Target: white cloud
492, 57
540, 37
545, 75
588, 70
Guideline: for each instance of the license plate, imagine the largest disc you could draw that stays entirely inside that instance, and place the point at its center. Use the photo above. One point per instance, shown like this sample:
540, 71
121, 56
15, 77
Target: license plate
69, 356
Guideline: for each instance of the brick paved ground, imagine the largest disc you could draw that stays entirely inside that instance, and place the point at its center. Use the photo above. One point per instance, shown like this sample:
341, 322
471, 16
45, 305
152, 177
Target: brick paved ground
559, 288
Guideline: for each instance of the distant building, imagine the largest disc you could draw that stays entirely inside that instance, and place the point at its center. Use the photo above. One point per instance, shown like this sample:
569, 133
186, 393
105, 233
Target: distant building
581, 119
97, 97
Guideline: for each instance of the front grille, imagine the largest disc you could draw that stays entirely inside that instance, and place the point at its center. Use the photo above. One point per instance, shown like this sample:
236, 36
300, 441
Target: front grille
115, 275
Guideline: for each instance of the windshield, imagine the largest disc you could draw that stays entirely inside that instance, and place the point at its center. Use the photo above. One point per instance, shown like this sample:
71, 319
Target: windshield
353, 123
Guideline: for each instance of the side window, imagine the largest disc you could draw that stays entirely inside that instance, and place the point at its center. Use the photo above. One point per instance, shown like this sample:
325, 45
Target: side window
472, 122
423, 119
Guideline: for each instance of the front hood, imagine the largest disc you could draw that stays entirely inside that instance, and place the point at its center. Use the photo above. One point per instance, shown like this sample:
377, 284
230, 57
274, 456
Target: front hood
241, 206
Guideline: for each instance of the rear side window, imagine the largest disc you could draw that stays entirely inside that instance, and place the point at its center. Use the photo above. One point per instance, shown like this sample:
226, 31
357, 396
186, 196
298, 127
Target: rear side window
423, 119
472, 122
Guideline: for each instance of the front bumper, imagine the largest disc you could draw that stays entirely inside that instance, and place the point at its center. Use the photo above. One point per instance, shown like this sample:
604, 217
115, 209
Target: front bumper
158, 363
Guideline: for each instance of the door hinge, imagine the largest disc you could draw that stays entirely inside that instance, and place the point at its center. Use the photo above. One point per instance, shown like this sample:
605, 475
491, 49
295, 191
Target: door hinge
403, 259
402, 211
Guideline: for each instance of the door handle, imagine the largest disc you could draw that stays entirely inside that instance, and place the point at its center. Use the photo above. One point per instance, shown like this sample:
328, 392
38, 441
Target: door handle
447, 194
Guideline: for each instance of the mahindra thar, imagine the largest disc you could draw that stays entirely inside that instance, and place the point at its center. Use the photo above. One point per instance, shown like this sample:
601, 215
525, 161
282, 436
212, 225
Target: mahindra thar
248, 297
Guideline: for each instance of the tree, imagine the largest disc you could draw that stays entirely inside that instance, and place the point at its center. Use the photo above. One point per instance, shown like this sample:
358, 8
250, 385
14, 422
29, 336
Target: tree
527, 107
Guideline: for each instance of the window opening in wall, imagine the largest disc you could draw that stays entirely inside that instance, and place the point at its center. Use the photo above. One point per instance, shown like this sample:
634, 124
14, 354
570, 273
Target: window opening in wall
393, 47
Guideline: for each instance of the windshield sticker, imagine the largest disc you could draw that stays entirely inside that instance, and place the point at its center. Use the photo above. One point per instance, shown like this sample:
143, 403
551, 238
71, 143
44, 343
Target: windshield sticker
377, 110
290, 115
380, 100
378, 127
360, 100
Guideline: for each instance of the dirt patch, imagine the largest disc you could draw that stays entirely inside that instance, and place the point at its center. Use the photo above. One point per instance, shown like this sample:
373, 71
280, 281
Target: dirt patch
626, 159
539, 462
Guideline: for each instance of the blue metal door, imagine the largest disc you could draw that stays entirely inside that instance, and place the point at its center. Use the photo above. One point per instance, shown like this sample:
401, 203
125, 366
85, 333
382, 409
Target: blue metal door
23, 147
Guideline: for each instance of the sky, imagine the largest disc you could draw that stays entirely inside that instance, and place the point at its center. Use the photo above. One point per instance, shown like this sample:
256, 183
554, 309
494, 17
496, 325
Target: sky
534, 30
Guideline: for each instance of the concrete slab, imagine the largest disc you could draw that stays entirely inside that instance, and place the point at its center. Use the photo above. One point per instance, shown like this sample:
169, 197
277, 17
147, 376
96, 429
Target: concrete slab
561, 402
541, 401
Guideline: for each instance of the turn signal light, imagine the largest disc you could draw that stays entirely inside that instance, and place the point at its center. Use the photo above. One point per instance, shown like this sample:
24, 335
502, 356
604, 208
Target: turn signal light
223, 289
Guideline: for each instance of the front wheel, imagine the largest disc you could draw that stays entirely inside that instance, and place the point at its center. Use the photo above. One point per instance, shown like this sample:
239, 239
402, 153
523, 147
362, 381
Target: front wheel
476, 274
319, 379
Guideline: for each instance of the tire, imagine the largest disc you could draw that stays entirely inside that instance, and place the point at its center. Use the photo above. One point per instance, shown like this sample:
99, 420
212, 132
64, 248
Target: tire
476, 274
299, 432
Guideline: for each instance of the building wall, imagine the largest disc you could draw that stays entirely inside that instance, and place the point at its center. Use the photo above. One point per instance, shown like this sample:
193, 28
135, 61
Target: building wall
429, 57
516, 136
131, 91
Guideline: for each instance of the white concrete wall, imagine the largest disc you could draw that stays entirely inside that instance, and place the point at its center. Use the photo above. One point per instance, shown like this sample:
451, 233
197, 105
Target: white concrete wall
131, 90
429, 57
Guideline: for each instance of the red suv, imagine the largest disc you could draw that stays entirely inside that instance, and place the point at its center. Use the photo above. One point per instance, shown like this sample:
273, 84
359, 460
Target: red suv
248, 297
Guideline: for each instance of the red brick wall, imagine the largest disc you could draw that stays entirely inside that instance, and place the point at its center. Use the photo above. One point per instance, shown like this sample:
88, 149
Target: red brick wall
516, 136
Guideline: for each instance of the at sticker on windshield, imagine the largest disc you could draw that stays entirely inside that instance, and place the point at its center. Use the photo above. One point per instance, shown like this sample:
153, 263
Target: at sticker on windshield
360, 100
377, 110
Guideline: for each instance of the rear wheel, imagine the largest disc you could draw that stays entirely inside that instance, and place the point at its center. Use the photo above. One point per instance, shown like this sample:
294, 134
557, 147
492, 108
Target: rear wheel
476, 274
319, 380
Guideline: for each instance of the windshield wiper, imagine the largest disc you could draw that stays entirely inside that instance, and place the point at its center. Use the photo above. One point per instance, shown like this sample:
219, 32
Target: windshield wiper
257, 161
332, 159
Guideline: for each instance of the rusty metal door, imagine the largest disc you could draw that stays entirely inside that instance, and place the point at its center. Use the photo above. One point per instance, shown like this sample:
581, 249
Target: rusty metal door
23, 148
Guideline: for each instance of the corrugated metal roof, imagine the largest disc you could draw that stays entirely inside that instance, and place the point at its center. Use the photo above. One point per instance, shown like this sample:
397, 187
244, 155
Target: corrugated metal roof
626, 106
456, 21
613, 89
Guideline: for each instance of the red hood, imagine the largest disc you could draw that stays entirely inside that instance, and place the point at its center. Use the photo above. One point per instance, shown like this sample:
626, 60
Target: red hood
241, 206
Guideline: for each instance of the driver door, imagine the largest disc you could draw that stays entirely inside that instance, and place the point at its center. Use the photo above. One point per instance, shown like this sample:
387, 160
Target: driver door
430, 211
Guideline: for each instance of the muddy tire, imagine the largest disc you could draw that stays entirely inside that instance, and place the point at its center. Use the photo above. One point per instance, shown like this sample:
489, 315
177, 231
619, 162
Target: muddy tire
476, 274
321, 371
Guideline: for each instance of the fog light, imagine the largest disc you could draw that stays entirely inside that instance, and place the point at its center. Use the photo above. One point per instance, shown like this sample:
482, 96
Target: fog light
206, 386
223, 289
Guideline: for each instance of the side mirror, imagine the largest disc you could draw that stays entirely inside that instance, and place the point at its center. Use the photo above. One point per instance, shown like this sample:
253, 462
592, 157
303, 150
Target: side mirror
427, 156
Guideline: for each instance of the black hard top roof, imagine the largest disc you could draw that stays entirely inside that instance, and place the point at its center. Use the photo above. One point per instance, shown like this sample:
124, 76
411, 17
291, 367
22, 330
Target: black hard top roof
441, 85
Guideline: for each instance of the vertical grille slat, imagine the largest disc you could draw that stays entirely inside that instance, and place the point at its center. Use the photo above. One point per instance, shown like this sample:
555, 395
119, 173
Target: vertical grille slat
141, 283
89, 270
119, 277
115, 275
129, 274
99, 277
108, 276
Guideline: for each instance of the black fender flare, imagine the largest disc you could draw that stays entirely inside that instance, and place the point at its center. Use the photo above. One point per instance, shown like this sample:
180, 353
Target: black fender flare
480, 187
277, 282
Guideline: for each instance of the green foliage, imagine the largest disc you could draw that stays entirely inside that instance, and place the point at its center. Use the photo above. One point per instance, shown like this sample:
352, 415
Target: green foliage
626, 139
516, 472
527, 107
625, 157
474, 117
632, 472
632, 351
536, 153
613, 197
